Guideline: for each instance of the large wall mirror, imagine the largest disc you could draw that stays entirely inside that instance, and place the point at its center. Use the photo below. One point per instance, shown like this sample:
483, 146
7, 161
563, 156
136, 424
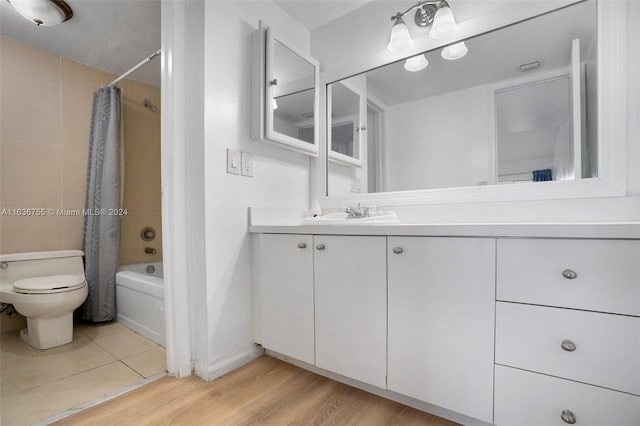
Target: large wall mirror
520, 106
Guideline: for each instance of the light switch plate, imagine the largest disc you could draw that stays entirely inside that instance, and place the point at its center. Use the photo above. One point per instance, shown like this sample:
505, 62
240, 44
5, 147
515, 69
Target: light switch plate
233, 162
247, 164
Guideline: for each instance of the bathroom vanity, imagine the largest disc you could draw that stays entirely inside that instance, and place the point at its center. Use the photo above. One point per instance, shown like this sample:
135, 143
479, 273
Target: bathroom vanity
527, 324
497, 324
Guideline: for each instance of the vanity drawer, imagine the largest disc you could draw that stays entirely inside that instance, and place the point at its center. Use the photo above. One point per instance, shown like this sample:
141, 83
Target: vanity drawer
606, 348
607, 273
523, 398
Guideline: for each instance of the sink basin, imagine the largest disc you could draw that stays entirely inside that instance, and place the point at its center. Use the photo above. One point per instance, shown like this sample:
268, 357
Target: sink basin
341, 218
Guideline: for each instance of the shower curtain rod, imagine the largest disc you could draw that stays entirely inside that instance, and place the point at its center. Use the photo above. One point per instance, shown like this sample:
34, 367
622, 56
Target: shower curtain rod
135, 68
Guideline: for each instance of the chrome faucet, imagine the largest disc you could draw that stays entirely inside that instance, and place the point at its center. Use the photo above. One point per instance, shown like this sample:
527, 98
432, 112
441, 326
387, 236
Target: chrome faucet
356, 212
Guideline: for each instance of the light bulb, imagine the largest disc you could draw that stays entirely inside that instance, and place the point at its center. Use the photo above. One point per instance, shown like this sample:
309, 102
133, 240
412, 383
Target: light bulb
416, 63
455, 51
400, 38
444, 24
274, 104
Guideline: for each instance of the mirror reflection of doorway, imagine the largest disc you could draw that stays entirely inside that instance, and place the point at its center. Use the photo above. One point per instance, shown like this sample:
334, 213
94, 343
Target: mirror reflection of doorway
533, 123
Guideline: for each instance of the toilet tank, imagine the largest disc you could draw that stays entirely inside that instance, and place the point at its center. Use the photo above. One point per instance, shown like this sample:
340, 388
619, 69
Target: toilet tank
16, 266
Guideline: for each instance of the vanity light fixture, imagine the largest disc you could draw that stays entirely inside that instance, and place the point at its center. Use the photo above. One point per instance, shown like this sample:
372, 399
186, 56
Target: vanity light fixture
46, 13
444, 24
416, 63
436, 13
455, 51
400, 38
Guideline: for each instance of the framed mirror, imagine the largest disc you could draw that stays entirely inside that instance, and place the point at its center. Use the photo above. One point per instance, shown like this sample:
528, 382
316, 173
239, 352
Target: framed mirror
286, 94
513, 109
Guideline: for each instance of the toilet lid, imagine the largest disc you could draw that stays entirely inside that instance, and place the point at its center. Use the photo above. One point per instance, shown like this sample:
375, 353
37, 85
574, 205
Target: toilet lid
48, 284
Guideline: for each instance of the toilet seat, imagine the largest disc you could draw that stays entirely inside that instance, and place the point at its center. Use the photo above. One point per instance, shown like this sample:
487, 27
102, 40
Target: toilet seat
48, 284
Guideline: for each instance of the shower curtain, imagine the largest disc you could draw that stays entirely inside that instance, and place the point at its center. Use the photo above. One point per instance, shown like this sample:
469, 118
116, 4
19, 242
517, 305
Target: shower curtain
101, 240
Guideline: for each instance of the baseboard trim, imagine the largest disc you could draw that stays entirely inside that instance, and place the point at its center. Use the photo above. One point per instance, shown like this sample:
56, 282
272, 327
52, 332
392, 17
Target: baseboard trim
212, 372
384, 393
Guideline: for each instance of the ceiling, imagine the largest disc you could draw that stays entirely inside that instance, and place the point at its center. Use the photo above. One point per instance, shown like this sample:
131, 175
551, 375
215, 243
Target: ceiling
112, 35
315, 13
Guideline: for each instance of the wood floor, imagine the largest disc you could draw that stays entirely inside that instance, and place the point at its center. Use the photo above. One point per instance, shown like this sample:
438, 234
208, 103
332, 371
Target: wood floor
266, 391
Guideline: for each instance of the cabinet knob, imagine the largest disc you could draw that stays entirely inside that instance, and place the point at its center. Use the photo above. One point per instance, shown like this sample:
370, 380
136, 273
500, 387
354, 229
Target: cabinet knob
568, 417
302, 245
274, 82
568, 345
398, 250
569, 274
320, 247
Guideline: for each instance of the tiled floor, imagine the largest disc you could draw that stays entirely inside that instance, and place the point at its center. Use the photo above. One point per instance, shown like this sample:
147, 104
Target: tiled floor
37, 384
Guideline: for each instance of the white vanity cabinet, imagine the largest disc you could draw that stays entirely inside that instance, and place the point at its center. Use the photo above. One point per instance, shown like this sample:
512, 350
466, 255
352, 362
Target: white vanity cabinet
441, 322
284, 320
473, 323
351, 306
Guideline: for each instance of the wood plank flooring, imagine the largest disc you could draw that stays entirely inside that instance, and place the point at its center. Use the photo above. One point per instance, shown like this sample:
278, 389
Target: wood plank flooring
266, 391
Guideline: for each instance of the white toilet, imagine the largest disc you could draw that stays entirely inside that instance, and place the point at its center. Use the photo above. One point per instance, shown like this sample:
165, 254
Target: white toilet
46, 287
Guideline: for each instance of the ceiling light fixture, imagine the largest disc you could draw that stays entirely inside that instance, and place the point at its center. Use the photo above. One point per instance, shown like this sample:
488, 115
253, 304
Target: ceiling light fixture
416, 63
436, 13
455, 51
46, 13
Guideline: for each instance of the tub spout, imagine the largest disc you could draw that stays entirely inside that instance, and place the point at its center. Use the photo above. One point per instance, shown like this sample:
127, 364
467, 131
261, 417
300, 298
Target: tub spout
150, 250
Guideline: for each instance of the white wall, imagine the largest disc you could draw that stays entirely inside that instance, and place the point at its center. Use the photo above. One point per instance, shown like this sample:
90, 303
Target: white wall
342, 179
281, 177
438, 142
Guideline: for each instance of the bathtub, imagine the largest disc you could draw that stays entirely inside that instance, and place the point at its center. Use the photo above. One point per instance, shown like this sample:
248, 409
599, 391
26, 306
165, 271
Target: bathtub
140, 299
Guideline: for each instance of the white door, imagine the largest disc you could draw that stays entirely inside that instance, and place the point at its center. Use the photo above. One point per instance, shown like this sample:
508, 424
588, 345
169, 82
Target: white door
441, 322
351, 310
286, 294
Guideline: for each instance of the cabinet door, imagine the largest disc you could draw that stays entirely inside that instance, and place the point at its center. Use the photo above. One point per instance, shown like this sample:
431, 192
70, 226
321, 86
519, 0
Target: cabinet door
351, 310
285, 276
441, 322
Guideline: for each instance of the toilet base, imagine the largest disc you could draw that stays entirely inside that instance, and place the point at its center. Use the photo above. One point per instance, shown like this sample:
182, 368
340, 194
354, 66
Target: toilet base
45, 333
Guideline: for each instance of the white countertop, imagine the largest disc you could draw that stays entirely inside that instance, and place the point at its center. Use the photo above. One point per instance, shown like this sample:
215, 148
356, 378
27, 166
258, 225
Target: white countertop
621, 230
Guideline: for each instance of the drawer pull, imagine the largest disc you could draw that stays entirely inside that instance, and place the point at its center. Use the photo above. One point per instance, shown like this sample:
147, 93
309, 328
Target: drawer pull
568, 345
568, 417
320, 247
302, 245
569, 274
398, 250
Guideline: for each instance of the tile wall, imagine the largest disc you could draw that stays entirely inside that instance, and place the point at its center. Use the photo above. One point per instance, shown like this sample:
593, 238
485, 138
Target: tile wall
45, 113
